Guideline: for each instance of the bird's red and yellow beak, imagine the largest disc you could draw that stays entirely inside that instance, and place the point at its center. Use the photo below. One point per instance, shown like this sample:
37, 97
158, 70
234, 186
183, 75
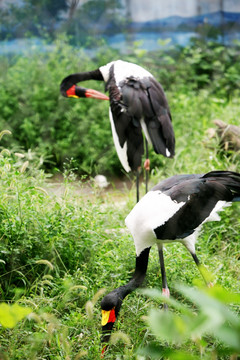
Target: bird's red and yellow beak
78, 92
108, 316
71, 92
108, 320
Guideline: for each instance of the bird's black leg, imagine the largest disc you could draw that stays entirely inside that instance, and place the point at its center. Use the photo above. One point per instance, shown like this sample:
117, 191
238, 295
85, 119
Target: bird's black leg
146, 165
191, 248
201, 269
137, 184
165, 289
195, 258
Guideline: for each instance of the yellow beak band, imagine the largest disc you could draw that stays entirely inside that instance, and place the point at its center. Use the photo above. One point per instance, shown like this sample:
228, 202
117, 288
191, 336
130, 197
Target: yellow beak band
108, 316
74, 96
105, 316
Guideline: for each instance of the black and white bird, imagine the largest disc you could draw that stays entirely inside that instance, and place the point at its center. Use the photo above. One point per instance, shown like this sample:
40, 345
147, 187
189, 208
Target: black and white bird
174, 210
137, 105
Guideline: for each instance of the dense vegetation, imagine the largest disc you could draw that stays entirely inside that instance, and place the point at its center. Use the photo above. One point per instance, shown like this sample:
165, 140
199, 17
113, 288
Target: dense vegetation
58, 252
204, 75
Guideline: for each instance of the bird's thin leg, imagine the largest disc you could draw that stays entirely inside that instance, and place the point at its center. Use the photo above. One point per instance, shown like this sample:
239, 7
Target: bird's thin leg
146, 165
201, 269
190, 245
137, 184
165, 289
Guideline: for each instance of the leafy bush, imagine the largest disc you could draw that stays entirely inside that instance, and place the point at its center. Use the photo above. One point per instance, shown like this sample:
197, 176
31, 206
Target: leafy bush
58, 129
41, 119
212, 329
200, 65
51, 253
36, 226
49, 249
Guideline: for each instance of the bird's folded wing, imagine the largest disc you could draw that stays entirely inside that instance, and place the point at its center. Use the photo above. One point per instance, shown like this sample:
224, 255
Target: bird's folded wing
202, 201
159, 125
128, 140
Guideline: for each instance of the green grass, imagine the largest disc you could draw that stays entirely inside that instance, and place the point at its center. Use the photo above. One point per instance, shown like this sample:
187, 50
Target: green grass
59, 252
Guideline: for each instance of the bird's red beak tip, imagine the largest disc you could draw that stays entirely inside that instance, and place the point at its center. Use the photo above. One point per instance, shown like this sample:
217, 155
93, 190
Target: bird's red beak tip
103, 351
94, 94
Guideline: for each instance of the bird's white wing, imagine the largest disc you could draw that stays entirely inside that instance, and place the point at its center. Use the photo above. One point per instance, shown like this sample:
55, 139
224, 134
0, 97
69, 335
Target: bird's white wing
121, 150
152, 211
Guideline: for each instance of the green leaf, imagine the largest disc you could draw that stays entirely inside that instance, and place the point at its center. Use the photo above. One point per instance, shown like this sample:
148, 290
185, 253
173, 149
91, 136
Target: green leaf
168, 326
157, 352
230, 336
10, 315
222, 295
213, 308
157, 294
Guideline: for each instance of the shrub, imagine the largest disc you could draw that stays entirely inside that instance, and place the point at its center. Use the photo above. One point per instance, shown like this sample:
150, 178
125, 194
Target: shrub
58, 128
208, 325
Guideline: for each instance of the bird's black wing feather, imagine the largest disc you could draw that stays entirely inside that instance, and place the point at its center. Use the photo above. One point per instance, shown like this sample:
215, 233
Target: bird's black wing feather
168, 183
133, 100
127, 126
159, 125
200, 197
145, 99
129, 132
230, 179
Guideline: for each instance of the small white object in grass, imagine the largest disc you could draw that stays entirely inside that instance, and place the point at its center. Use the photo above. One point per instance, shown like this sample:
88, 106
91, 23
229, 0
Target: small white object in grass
101, 181
21, 156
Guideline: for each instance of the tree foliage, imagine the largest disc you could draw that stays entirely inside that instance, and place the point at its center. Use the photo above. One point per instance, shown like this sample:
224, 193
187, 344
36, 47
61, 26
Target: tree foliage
48, 18
60, 129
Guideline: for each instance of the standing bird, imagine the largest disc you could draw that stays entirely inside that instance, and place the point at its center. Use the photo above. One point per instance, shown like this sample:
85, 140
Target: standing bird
174, 210
137, 102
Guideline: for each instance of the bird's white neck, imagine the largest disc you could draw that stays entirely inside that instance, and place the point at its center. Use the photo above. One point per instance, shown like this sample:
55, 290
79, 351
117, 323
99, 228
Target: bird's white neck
123, 70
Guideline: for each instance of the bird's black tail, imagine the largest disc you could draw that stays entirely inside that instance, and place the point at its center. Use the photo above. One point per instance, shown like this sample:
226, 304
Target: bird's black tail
230, 179
161, 134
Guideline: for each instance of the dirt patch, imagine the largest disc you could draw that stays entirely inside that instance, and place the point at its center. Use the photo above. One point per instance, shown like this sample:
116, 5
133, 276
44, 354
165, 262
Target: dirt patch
116, 187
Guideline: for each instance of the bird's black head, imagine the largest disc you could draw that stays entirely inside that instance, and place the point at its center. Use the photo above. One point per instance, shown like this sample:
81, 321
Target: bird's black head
110, 305
68, 88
